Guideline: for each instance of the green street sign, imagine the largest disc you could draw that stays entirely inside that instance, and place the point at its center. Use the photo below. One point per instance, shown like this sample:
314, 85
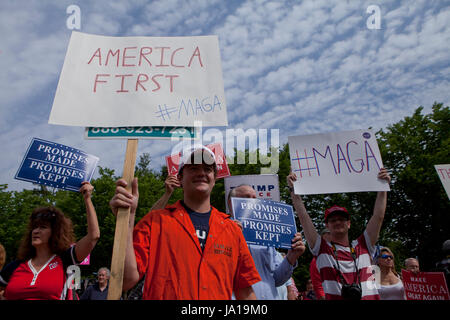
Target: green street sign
141, 132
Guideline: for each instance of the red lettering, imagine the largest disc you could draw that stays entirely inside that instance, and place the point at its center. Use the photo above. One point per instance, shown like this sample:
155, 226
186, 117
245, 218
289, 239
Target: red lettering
196, 54
446, 171
99, 81
161, 64
99, 56
171, 59
113, 54
123, 80
171, 81
117, 52
156, 82
127, 57
142, 55
138, 81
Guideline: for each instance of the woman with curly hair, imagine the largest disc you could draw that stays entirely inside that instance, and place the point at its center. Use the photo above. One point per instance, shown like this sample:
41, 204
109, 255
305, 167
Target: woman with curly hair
46, 251
391, 286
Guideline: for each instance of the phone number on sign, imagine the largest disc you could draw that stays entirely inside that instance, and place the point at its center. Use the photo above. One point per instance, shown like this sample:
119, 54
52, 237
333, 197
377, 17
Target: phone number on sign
141, 132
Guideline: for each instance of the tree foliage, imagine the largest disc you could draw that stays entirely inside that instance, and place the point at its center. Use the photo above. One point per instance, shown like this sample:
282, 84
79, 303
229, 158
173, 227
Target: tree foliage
418, 207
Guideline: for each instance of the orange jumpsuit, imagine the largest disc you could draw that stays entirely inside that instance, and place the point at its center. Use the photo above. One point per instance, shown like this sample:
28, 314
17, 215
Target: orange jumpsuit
168, 253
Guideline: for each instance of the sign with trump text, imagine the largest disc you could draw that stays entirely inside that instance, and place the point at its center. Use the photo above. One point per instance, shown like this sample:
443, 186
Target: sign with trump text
266, 186
347, 161
265, 222
56, 165
140, 81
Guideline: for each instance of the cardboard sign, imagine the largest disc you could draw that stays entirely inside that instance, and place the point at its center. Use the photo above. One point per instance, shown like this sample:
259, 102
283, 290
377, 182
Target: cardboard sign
140, 81
347, 161
266, 186
425, 286
173, 161
56, 165
443, 171
265, 222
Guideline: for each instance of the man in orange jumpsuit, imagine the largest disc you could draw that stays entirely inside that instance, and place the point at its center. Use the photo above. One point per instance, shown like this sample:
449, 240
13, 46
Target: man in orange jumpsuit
188, 250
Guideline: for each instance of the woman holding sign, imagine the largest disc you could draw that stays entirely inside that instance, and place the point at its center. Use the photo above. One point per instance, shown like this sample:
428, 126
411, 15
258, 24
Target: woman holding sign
46, 252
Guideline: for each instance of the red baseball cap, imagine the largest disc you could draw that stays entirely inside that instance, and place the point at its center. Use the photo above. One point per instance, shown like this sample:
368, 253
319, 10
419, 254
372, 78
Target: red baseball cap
336, 209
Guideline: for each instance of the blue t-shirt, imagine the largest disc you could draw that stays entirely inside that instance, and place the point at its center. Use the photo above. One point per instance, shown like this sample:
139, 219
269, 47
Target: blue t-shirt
93, 292
200, 222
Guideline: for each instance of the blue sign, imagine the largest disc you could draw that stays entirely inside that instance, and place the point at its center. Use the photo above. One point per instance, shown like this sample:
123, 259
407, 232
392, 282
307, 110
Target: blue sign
265, 222
56, 165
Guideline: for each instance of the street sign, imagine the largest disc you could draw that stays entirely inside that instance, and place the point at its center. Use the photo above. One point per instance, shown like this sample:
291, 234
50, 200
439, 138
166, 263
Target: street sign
141, 132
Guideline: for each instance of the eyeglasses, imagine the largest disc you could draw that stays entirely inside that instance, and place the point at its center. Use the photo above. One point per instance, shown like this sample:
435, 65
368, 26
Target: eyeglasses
386, 256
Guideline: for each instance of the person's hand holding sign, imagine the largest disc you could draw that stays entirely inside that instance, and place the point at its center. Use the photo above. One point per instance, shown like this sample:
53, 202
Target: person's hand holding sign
298, 248
86, 189
291, 178
171, 184
384, 175
124, 199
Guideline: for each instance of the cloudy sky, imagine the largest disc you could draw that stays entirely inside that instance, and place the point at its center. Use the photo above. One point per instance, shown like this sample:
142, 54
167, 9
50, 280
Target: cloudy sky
302, 67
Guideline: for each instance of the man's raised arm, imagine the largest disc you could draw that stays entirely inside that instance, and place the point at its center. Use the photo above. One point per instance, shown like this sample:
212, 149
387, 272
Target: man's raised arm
374, 225
305, 220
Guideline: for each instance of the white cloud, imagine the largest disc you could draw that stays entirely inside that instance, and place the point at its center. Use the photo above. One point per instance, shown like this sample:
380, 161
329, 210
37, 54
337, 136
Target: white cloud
303, 67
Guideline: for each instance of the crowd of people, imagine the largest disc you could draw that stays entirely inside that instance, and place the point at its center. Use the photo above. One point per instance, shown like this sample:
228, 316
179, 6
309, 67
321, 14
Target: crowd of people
191, 250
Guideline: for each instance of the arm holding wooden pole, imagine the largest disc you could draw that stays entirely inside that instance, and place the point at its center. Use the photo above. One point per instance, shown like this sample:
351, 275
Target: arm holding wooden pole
123, 205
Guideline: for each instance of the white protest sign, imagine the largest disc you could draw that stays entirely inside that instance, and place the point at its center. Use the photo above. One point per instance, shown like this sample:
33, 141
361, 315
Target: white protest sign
347, 161
443, 171
140, 81
266, 186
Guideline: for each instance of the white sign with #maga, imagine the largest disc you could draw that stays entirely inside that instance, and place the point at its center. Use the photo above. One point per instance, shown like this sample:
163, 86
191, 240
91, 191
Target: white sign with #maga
140, 81
347, 161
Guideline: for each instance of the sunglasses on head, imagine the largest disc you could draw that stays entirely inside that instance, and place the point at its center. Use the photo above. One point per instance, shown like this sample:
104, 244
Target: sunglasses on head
385, 256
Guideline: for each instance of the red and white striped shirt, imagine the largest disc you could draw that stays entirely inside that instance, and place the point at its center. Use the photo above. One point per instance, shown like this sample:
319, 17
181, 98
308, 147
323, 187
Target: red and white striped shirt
326, 264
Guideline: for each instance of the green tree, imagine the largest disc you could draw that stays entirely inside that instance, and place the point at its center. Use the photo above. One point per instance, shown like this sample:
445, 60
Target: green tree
418, 207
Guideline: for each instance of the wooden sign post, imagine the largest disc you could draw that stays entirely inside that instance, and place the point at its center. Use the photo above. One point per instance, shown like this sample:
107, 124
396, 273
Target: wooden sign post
120, 236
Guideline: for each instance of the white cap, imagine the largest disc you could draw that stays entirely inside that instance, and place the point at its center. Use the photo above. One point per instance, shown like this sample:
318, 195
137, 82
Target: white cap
201, 154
